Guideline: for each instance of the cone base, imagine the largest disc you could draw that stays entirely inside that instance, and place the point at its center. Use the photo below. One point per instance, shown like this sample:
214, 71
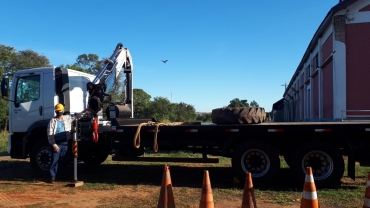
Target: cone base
306, 203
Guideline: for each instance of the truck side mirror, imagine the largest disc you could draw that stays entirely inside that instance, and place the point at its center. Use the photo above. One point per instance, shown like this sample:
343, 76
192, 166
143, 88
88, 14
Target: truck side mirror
5, 87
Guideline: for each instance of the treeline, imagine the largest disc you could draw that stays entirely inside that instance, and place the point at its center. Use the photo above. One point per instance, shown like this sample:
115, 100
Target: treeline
159, 108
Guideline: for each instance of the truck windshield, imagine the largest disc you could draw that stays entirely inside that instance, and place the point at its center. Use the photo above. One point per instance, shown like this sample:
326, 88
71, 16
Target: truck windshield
28, 89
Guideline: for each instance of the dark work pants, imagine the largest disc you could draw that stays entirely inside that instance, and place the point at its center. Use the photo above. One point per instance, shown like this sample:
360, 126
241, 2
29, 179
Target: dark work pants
59, 160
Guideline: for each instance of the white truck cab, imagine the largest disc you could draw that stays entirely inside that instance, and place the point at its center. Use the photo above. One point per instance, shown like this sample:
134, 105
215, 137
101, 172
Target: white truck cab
33, 95
35, 92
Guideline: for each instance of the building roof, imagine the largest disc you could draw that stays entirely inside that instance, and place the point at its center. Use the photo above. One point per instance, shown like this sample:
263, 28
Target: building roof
278, 105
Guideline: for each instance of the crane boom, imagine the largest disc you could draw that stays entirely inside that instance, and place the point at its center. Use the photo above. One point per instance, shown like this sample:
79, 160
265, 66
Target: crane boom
107, 79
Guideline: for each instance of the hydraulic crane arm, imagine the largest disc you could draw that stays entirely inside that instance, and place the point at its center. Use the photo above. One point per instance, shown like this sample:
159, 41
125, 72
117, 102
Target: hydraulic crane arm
107, 79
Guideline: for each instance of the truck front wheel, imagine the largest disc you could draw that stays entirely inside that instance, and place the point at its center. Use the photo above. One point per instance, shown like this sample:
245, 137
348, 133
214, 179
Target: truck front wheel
95, 156
41, 157
96, 159
258, 158
325, 160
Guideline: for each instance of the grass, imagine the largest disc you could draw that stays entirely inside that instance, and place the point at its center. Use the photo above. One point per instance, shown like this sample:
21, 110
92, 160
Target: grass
3, 143
349, 194
144, 179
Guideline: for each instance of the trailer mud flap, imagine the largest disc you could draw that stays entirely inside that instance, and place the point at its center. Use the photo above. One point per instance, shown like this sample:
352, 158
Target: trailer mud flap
351, 169
18, 147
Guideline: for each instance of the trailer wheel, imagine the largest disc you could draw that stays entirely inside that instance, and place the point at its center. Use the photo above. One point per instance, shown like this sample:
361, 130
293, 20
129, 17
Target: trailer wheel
258, 158
41, 157
95, 159
325, 160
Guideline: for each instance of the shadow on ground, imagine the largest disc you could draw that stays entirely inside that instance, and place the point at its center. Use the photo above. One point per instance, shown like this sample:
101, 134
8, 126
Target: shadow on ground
4, 154
135, 174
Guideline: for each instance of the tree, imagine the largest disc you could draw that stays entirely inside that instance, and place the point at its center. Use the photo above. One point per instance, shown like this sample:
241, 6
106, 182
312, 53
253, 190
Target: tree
238, 103
74, 67
204, 117
11, 61
160, 109
254, 104
90, 63
116, 88
141, 103
7, 54
27, 59
3, 110
183, 112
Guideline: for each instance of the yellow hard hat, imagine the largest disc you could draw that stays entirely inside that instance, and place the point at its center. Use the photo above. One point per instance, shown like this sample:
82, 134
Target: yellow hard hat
59, 107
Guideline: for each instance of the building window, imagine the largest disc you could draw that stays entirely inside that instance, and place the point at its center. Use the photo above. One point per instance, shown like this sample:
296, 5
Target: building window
301, 80
315, 62
308, 73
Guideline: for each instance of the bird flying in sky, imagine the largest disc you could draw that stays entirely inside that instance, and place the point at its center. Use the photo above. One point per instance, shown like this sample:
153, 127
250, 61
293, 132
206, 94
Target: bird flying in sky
164, 61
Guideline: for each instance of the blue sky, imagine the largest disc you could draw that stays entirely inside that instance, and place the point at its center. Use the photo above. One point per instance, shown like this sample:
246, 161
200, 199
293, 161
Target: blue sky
217, 50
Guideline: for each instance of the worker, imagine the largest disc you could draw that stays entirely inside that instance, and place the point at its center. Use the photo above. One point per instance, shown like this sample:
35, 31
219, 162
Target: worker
59, 132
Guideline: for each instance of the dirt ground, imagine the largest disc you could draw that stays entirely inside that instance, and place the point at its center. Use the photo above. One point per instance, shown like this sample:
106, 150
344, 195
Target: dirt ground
45, 195
119, 186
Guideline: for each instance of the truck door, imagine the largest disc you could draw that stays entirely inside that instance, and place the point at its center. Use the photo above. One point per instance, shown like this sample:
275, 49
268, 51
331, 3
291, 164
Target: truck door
28, 105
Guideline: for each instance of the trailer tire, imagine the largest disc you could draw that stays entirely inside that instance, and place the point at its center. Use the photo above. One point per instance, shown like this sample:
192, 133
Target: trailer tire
95, 159
238, 115
41, 156
325, 160
215, 115
258, 158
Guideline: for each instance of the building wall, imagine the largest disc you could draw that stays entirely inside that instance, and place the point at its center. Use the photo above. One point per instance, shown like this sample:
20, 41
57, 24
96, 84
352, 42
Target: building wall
358, 66
327, 80
357, 55
315, 96
335, 75
326, 35
339, 73
302, 100
308, 101
334, 48
327, 48
327, 91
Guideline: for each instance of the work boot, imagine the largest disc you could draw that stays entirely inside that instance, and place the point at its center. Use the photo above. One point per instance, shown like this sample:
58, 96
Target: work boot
52, 180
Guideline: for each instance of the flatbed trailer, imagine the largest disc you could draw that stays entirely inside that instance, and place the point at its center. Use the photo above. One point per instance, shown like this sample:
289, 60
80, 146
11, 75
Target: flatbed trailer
255, 148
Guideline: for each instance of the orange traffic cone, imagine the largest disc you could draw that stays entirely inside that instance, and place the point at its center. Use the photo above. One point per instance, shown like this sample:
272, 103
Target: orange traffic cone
367, 193
249, 200
166, 199
206, 200
309, 195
